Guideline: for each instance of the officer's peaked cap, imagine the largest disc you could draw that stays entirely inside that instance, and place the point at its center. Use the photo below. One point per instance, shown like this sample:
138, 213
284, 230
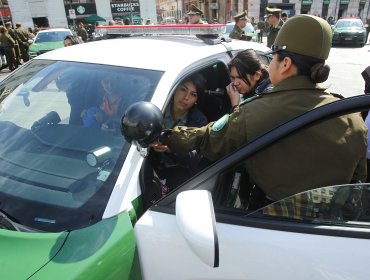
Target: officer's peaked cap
272, 11
306, 35
242, 15
194, 10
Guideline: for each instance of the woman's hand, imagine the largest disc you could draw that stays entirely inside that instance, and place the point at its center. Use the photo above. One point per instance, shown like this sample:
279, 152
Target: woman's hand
234, 95
159, 147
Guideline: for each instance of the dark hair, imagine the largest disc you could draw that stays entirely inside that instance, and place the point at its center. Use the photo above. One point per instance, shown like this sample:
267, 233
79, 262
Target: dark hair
200, 84
314, 68
74, 39
248, 62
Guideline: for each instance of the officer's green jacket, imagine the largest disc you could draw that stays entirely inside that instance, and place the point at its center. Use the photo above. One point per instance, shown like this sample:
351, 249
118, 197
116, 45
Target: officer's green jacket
272, 33
332, 152
6, 40
237, 33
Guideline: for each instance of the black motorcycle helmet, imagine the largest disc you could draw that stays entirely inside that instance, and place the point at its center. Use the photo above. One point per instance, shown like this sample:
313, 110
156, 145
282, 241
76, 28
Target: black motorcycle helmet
142, 122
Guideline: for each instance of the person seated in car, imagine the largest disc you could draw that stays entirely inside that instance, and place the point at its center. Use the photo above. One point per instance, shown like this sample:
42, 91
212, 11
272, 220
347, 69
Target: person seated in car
103, 116
183, 110
249, 75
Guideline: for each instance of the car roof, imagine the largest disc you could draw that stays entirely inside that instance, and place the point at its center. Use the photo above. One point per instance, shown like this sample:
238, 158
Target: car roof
149, 52
54, 29
349, 19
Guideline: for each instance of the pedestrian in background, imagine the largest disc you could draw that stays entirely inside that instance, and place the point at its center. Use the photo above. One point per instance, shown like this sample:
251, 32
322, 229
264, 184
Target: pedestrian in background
71, 40
81, 31
275, 24
30, 32
238, 30
7, 42
13, 34
260, 29
284, 17
194, 15
23, 37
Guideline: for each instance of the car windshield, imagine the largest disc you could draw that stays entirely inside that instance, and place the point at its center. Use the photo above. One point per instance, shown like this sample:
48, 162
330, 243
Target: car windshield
61, 148
52, 36
247, 29
348, 23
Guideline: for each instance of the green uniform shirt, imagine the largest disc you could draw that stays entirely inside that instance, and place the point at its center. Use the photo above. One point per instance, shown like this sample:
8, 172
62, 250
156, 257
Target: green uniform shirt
272, 33
7, 40
332, 152
237, 33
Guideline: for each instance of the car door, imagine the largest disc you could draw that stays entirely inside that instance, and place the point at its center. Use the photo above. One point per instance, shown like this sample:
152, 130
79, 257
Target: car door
202, 230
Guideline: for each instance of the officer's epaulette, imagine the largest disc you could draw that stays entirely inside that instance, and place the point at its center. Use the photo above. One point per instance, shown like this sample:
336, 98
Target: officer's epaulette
250, 99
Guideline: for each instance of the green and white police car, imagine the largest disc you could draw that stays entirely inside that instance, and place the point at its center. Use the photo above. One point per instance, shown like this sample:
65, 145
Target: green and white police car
79, 202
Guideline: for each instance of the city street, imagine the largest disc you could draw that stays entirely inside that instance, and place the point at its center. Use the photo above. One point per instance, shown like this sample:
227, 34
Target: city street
346, 66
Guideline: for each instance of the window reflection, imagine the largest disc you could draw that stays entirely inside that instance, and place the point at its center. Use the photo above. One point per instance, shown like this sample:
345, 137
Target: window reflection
347, 205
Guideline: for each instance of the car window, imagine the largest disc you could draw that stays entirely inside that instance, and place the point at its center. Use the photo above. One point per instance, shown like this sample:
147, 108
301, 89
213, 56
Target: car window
52, 36
229, 27
61, 147
348, 23
249, 28
345, 205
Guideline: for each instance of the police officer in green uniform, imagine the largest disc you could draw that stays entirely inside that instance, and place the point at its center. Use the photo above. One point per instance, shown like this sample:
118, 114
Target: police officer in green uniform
8, 43
329, 153
238, 30
195, 15
275, 23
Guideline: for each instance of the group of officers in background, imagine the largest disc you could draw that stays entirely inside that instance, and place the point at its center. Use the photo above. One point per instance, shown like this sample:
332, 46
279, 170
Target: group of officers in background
14, 45
271, 23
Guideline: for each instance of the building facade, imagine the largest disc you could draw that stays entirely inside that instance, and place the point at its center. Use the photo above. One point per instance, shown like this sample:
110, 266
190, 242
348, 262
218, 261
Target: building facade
65, 13
223, 11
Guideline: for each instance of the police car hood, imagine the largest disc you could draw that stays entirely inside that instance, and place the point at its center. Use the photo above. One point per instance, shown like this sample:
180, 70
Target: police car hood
24, 253
349, 29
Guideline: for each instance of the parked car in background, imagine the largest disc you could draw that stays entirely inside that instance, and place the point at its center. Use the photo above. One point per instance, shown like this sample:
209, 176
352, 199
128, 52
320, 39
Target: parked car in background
248, 29
47, 40
349, 31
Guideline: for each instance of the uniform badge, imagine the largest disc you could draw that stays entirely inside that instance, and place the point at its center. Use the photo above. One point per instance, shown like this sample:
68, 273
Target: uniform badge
219, 124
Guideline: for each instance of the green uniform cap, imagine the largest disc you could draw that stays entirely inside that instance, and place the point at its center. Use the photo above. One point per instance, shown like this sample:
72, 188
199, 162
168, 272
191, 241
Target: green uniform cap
195, 11
272, 11
242, 15
306, 35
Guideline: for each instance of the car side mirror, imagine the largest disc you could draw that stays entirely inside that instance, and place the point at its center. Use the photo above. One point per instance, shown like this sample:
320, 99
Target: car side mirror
196, 220
30, 41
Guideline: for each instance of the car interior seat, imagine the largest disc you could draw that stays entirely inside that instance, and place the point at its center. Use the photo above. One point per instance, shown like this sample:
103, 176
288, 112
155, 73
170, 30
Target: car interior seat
217, 102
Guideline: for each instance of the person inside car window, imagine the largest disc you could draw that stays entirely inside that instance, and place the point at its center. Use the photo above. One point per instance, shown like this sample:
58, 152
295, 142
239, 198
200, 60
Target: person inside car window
329, 153
103, 116
183, 110
249, 77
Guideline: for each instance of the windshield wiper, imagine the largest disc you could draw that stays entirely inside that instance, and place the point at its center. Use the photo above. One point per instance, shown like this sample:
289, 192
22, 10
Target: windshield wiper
7, 223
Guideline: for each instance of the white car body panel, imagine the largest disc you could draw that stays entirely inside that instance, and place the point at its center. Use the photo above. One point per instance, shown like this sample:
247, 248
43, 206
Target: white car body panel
163, 54
248, 253
127, 186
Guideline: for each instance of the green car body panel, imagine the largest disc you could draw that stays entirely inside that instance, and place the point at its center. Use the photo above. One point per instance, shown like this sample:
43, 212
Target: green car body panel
105, 250
37, 48
23, 253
